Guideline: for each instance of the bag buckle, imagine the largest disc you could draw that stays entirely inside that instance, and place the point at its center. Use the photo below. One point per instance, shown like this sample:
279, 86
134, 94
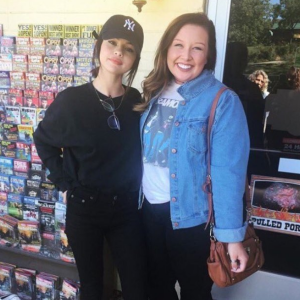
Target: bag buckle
211, 232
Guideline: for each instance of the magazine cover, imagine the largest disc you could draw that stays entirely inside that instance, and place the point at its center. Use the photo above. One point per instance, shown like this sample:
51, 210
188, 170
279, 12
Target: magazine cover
49, 83
50, 245
40, 112
70, 47
86, 31
51, 65
66, 253
25, 133
28, 116
25, 30
34, 155
4, 183
17, 185
24, 284
67, 65
10, 131
54, 47
6, 165
20, 62
79, 80
6, 279
40, 30
22, 45
30, 209
64, 81
5, 62
23, 151
21, 165
31, 97
4, 79
29, 235
8, 149
8, 231
56, 31
17, 80
32, 83
47, 216
60, 215
86, 47
37, 46
37, 175
32, 188
15, 205
276, 204
83, 66
48, 191
72, 31
46, 286
3, 95
7, 44
3, 204
13, 114
35, 63
69, 290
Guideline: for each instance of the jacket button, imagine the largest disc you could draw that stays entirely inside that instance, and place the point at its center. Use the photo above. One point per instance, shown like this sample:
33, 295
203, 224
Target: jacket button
91, 197
174, 150
174, 199
176, 123
176, 224
173, 175
83, 201
72, 196
182, 102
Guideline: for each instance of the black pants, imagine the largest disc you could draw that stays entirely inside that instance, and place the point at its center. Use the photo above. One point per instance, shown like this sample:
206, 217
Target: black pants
91, 216
175, 255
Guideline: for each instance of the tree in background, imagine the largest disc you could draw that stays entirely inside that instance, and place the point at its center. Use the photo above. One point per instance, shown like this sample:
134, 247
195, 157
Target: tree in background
287, 13
250, 22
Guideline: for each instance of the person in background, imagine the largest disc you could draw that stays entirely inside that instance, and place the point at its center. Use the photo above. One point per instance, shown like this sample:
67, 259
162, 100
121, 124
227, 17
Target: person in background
96, 130
261, 78
249, 93
293, 77
178, 95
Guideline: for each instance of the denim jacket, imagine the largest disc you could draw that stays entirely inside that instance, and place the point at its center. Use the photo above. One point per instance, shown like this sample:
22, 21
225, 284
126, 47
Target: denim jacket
187, 158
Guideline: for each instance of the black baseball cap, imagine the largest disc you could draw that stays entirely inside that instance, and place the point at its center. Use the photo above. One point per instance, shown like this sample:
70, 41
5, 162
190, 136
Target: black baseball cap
124, 27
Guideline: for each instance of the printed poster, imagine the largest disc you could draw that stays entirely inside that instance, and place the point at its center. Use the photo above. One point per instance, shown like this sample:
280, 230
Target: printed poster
276, 204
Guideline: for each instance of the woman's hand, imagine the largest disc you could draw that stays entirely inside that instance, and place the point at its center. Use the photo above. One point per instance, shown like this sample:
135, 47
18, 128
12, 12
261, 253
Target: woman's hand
238, 257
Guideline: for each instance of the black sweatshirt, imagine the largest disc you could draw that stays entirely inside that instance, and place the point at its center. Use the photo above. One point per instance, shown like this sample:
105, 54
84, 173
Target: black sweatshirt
94, 155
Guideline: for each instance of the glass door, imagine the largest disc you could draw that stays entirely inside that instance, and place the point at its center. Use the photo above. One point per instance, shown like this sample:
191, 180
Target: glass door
259, 58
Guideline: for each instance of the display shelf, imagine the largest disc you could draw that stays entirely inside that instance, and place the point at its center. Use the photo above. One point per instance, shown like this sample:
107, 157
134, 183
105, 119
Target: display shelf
24, 259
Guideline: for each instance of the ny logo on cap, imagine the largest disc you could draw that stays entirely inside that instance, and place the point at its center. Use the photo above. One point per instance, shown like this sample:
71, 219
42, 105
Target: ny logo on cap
129, 24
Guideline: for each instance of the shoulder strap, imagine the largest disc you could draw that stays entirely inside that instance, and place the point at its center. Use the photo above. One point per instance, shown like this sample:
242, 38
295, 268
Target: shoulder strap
207, 186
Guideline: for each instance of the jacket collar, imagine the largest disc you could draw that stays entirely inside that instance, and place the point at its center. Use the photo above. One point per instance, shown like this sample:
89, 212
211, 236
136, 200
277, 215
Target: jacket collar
196, 86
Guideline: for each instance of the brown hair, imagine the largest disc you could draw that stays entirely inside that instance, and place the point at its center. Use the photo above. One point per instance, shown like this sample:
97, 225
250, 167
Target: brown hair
160, 76
293, 77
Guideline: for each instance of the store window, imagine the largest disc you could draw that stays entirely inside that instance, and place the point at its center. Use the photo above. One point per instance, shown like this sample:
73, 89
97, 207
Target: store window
262, 65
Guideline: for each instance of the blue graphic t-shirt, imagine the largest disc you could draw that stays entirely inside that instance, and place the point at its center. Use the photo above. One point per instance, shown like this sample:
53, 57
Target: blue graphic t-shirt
156, 140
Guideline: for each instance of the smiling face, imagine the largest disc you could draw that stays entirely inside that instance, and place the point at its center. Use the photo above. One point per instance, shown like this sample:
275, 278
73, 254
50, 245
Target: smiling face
187, 54
117, 56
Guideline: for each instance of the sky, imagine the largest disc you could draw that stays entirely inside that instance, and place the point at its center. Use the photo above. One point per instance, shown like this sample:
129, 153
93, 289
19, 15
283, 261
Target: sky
274, 1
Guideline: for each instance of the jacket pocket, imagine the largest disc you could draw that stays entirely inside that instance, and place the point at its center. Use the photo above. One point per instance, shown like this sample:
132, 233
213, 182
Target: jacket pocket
197, 135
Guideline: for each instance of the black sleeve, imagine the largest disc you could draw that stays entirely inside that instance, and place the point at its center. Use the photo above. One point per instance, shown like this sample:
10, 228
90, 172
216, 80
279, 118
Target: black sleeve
49, 141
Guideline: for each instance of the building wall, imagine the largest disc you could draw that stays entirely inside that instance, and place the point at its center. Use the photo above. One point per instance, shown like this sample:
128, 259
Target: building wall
154, 18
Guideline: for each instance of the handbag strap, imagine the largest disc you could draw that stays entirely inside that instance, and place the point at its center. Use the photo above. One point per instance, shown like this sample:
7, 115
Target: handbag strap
207, 186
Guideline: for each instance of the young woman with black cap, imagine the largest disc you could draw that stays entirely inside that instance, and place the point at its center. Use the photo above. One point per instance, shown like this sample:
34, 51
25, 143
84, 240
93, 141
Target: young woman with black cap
97, 131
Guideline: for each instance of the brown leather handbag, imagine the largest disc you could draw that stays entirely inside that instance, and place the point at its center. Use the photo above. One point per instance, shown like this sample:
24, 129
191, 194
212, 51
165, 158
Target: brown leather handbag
219, 264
